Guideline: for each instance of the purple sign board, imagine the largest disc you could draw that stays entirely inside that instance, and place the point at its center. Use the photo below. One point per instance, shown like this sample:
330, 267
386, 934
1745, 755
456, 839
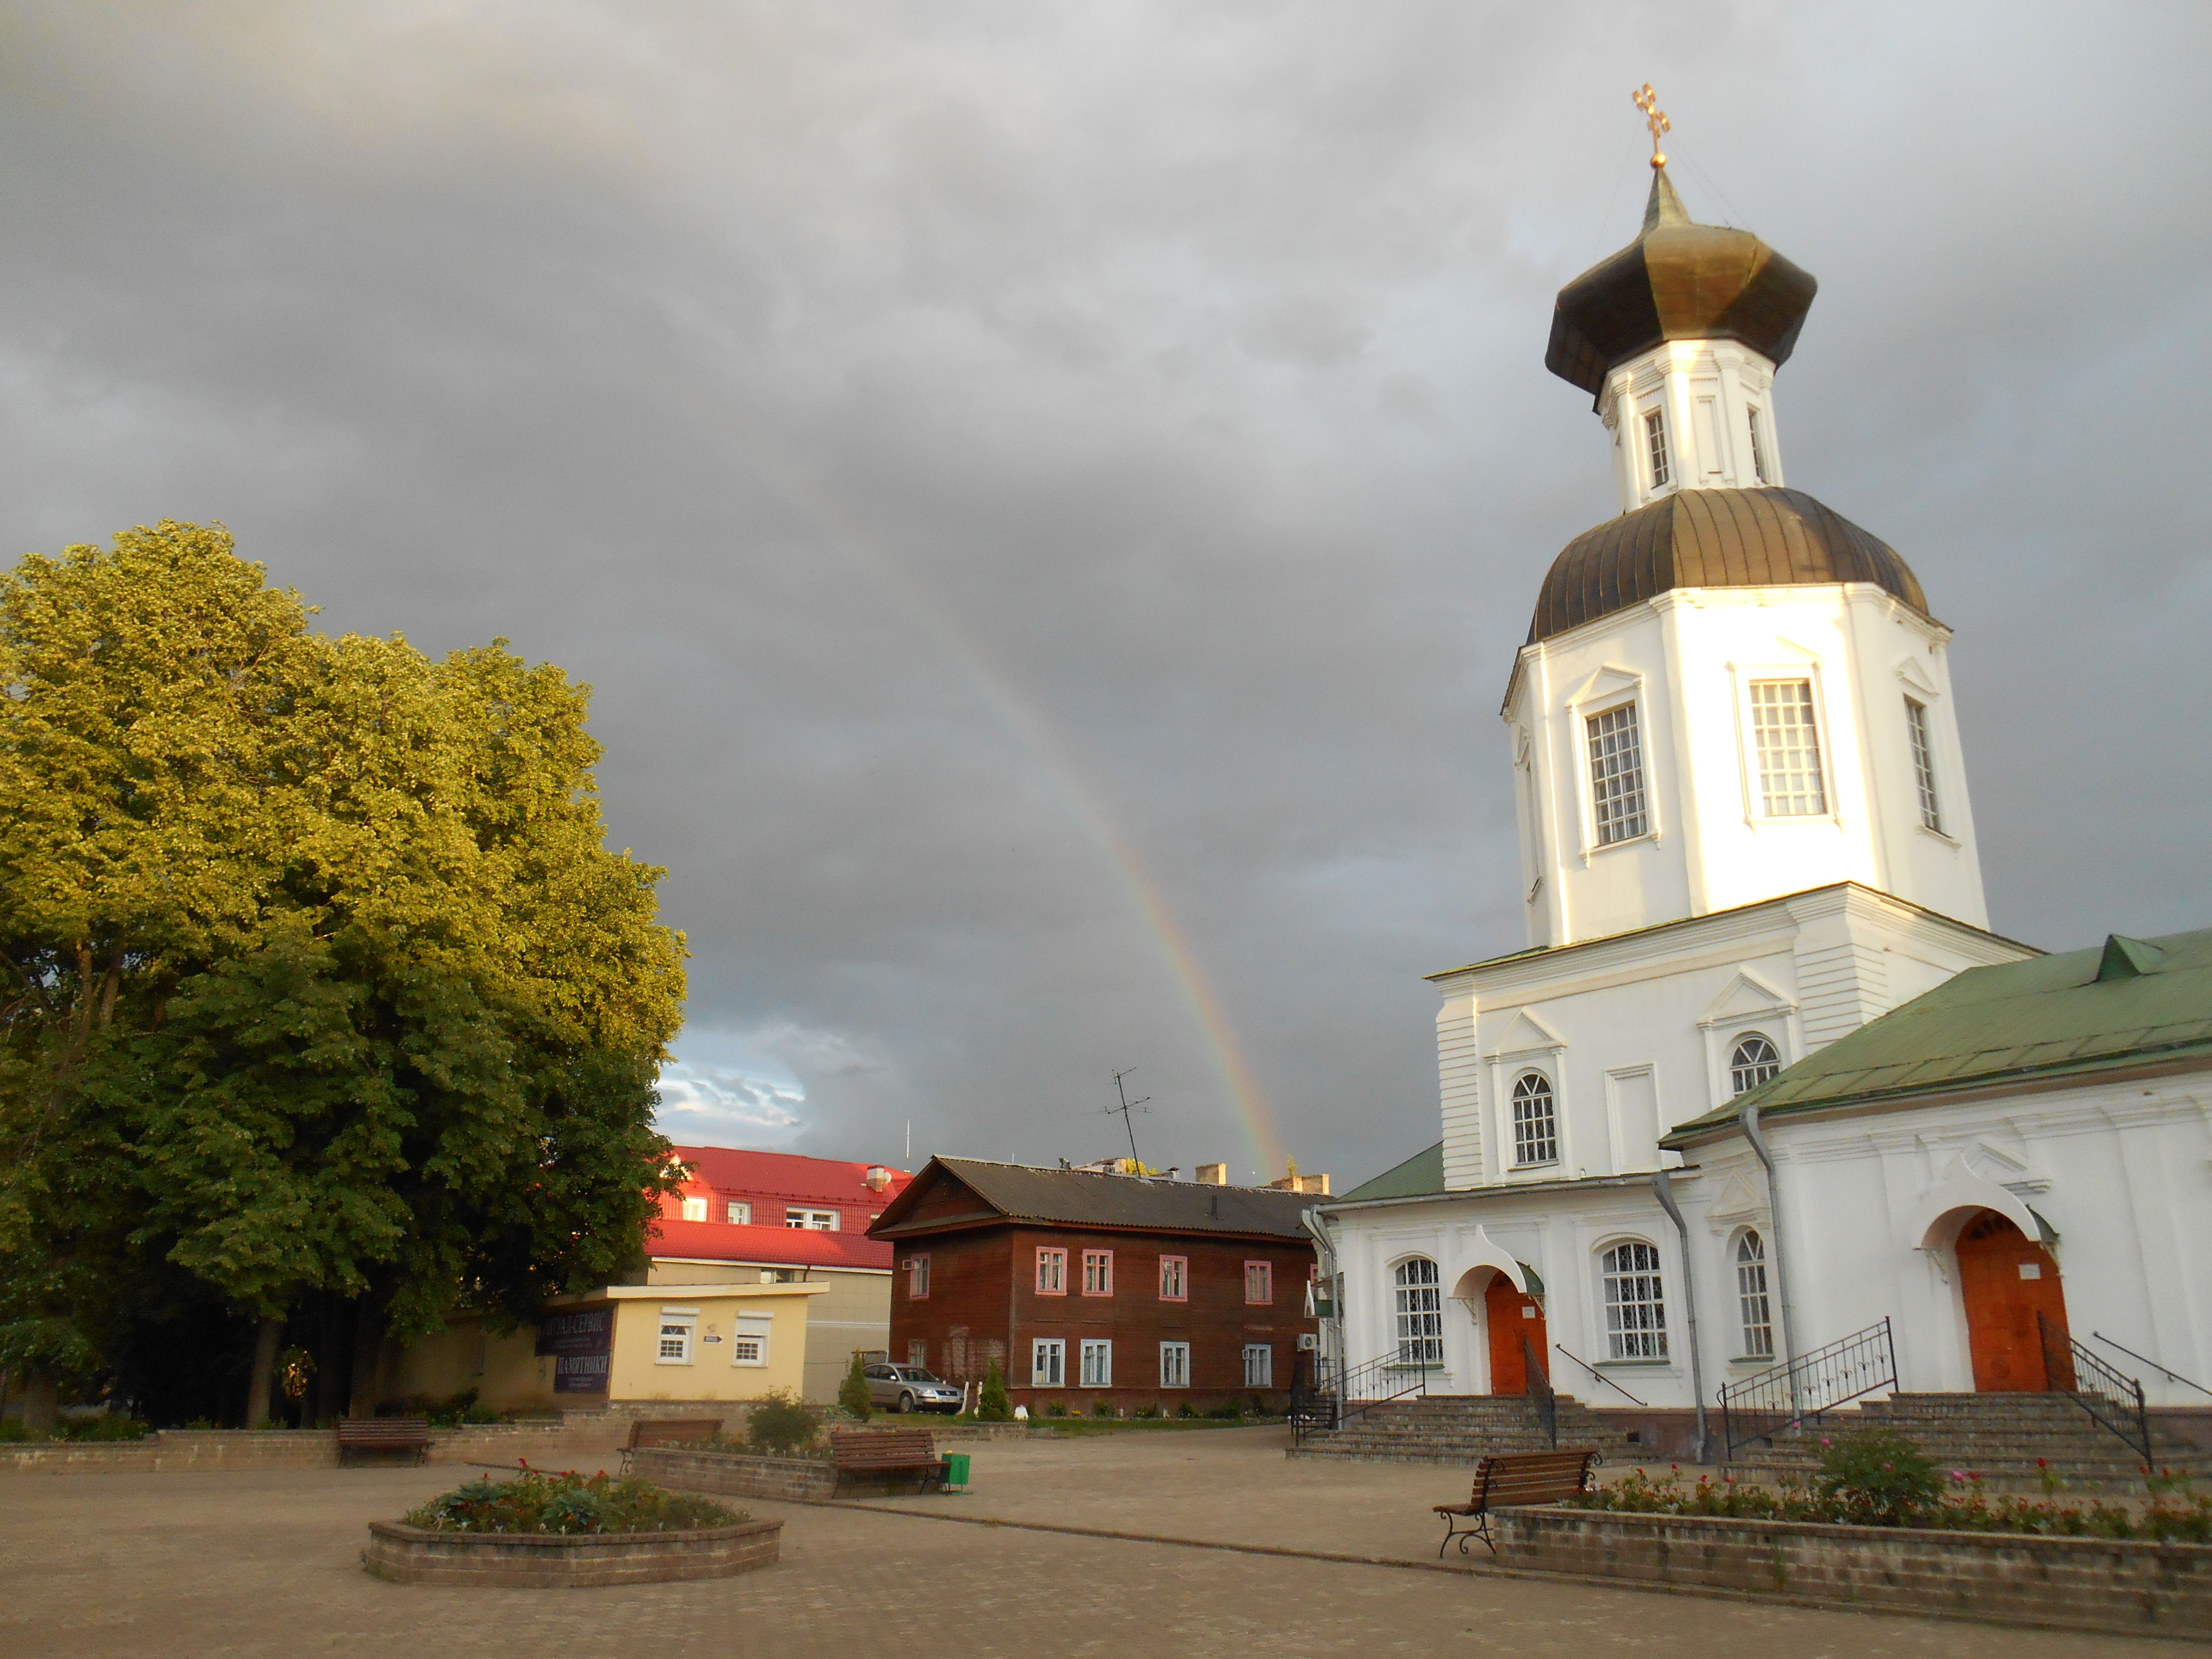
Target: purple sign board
579, 1344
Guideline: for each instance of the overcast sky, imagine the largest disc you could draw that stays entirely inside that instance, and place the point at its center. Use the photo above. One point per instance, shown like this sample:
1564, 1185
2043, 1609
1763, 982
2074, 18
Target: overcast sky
1047, 496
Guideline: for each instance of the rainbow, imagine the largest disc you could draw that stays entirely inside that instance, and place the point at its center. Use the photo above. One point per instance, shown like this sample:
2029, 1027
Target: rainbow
1030, 729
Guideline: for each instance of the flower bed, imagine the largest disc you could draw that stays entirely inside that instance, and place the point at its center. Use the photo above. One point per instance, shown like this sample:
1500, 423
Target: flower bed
554, 1531
566, 1504
2070, 1583
2167, 1518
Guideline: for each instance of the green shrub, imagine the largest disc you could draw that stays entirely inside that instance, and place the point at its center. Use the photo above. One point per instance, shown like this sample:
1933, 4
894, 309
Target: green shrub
12, 1429
991, 1406
1881, 1473
571, 1503
1102, 1409
782, 1423
1964, 1509
480, 1413
1147, 1412
852, 1392
106, 1426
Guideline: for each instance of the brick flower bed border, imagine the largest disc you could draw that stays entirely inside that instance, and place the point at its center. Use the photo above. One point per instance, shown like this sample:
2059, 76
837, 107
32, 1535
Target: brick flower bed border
736, 1475
410, 1555
2130, 1586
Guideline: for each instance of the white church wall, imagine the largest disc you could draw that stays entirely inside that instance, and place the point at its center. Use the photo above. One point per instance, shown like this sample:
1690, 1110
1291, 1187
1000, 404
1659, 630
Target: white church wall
1687, 661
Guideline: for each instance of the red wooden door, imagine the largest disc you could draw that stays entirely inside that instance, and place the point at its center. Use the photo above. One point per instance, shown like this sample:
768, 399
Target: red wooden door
2006, 1279
1510, 1317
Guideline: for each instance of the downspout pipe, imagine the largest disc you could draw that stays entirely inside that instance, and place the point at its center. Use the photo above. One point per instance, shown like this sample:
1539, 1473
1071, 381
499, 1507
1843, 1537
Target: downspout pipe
1662, 1187
1751, 1133
1325, 1248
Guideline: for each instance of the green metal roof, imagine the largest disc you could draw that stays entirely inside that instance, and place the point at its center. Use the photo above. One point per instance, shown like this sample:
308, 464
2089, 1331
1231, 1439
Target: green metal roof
2074, 1014
1417, 1177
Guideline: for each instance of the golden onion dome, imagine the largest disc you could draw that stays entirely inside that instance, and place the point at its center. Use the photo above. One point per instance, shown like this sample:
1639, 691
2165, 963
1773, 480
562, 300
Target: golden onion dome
1677, 281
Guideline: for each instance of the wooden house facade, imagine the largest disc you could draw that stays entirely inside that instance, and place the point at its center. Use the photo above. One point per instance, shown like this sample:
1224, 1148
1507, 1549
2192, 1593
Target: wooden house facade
1092, 1290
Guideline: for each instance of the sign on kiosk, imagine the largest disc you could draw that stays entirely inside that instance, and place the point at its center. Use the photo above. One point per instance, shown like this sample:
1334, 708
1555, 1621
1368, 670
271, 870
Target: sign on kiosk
579, 1345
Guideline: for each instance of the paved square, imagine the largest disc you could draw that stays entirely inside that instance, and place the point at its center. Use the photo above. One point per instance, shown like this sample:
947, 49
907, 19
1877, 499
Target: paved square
254, 1563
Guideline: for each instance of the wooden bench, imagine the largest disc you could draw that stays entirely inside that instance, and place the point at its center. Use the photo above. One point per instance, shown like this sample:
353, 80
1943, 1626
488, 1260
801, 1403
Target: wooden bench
1514, 1478
886, 1452
647, 1431
384, 1434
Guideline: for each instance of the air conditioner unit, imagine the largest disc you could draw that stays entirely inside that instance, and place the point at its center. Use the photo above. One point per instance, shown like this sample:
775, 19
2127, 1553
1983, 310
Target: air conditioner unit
1308, 1341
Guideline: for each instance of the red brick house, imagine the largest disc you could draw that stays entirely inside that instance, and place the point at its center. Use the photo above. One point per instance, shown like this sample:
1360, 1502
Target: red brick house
1087, 1288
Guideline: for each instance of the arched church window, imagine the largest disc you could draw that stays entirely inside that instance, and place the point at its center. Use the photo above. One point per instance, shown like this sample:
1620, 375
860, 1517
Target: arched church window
1535, 1121
1751, 1296
1635, 1303
1754, 1062
1420, 1298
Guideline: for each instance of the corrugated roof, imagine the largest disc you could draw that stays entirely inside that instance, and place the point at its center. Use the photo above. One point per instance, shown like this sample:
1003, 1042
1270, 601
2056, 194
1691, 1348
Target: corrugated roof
2075, 1013
771, 1246
1079, 1198
742, 1174
1417, 1177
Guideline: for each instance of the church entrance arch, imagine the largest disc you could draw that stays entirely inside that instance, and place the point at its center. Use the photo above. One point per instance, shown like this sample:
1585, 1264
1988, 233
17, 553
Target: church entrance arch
2006, 1279
1509, 1317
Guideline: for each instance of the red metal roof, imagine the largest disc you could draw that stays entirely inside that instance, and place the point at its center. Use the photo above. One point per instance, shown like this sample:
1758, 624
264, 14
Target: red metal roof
779, 1247
772, 1183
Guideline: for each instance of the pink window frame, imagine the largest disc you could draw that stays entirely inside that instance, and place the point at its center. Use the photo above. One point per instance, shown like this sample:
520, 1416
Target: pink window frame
1183, 1295
1044, 1251
920, 1260
1107, 1257
1266, 1278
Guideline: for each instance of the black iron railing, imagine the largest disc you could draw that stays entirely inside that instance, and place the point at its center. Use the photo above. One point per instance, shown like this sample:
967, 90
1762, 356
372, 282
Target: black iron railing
2170, 1376
1541, 1394
1786, 1396
1598, 1375
2113, 1401
1334, 1395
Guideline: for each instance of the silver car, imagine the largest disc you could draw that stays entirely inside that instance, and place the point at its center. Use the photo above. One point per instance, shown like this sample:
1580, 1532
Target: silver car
911, 1388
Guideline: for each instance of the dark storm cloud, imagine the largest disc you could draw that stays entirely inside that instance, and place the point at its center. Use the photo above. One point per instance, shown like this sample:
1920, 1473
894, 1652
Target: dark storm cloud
951, 437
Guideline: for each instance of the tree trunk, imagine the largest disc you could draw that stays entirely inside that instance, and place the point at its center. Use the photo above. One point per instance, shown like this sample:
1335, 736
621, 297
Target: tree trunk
266, 1336
368, 1347
42, 1410
334, 1363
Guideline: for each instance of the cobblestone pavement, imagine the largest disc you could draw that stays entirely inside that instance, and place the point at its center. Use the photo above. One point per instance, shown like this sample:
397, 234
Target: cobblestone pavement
269, 1563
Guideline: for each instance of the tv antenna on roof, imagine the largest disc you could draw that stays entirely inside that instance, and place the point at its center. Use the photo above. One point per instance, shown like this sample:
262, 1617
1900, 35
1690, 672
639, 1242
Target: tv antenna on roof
1127, 1106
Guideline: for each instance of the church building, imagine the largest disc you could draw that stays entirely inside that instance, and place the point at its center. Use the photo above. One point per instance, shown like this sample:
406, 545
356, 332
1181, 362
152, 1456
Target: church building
1686, 1141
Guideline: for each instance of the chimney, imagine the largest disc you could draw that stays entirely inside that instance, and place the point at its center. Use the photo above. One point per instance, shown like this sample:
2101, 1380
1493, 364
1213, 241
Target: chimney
877, 1178
1212, 1175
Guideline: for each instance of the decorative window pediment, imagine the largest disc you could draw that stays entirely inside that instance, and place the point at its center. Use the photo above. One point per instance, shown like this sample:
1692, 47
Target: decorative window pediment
1527, 1035
1908, 670
1747, 996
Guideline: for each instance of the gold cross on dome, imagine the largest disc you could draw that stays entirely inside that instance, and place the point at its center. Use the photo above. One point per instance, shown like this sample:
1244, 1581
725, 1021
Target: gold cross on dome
1654, 118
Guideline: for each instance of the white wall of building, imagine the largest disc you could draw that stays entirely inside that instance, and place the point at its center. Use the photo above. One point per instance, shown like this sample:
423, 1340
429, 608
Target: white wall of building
1687, 661
1873, 1201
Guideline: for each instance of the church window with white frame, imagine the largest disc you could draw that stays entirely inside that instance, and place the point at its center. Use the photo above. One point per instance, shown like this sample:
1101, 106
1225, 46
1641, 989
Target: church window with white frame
1924, 763
1655, 447
1635, 1303
1616, 757
1788, 748
1754, 1062
1535, 1121
1755, 1312
1758, 448
1420, 1303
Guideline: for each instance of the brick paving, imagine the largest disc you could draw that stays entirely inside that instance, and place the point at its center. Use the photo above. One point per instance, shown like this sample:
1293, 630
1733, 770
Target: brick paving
269, 1563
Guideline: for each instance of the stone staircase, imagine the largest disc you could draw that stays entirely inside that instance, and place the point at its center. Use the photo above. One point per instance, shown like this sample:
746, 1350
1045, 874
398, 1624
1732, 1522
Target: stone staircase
1461, 1428
1998, 1436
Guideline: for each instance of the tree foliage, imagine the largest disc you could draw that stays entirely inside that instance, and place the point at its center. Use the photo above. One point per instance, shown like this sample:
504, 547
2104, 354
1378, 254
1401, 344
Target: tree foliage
318, 978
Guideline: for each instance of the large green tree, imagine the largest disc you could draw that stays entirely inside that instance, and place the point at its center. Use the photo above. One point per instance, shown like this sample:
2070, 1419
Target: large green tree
320, 983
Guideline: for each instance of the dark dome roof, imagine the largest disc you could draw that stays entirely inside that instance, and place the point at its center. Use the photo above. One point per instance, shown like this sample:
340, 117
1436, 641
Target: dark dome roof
1713, 538
1678, 281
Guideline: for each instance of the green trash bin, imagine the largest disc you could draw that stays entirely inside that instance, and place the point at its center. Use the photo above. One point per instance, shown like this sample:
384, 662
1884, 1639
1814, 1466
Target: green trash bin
955, 1471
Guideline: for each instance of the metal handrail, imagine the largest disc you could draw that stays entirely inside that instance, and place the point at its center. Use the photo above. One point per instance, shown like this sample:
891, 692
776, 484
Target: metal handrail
2170, 1376
2113, 1399
1540, 1391
1784, 1396
1599, 1374
1338, 1396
